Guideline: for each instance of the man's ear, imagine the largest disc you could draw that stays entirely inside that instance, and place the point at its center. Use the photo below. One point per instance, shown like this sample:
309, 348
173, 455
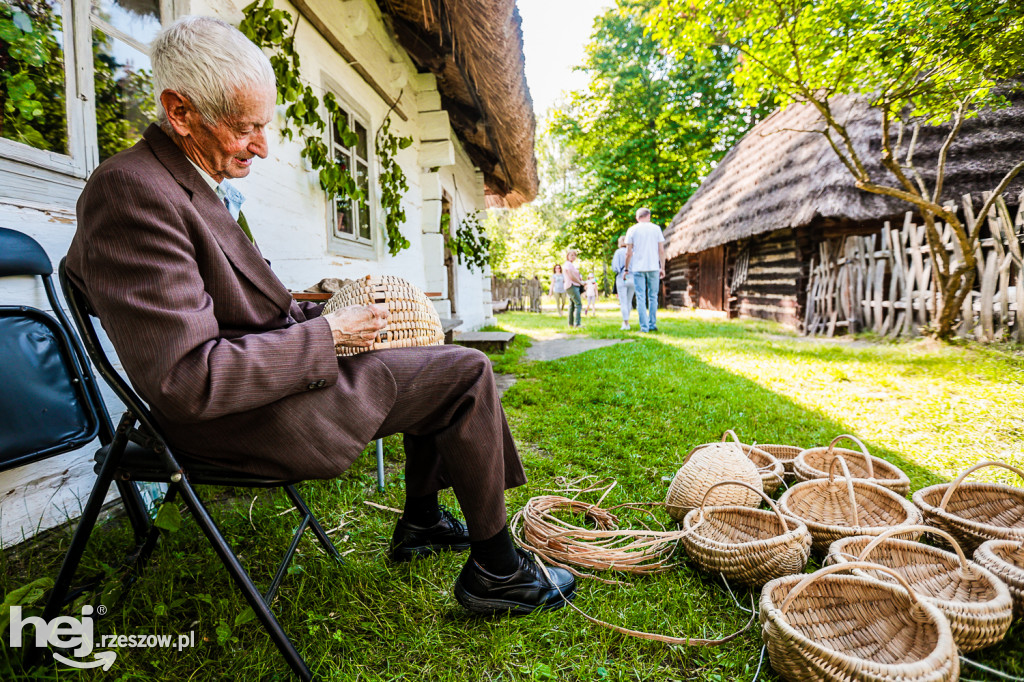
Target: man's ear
177, 108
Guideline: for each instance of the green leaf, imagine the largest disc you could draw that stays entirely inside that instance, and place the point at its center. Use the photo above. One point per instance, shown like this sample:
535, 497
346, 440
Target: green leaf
223, 633
168, 518
246, 616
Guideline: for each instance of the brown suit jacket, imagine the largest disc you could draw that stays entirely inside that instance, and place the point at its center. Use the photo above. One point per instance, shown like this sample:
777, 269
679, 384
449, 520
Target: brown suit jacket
232, 368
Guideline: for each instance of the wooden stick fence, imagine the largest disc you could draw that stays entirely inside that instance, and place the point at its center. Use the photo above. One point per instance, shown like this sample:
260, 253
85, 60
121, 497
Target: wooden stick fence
884, 282
513, 290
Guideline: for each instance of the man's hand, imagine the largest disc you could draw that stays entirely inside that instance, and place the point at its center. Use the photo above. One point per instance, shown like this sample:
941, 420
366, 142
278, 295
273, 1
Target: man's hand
357, 326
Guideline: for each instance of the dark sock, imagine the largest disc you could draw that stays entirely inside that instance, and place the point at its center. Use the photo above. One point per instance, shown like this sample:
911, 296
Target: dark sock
421, 511
496, 555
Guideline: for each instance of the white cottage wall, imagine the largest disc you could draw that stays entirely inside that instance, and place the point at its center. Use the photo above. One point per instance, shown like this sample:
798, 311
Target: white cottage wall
288, 214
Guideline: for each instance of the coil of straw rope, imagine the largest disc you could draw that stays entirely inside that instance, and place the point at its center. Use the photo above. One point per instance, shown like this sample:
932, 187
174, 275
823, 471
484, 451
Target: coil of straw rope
639, 552
412, 320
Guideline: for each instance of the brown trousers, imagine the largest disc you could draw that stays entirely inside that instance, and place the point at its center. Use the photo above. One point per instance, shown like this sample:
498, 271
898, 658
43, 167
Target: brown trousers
455, 431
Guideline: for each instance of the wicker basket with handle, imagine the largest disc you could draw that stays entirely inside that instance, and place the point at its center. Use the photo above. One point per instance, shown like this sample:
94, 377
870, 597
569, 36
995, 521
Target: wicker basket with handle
1005, 558
844, 627
838, 508
768, 466
785, 454
814, 463
975, 512
746, 545
978, 605
705, 466
412, 320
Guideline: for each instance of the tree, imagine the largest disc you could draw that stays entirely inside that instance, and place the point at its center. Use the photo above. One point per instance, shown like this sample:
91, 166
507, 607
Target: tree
915, 62
646, 131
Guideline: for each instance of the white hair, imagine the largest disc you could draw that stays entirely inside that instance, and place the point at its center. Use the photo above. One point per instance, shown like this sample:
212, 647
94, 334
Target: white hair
208, 61
643, 213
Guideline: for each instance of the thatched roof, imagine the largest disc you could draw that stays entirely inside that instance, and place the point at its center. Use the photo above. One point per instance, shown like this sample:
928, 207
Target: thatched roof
780, 176
475, 48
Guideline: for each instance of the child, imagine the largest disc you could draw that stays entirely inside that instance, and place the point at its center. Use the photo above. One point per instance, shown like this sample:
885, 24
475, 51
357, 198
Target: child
591, 290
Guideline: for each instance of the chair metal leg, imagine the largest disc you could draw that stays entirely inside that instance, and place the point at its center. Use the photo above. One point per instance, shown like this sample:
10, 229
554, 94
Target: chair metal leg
244, 582
146, 548
380, 464
135, 509
318, 530
84, 530
283, 567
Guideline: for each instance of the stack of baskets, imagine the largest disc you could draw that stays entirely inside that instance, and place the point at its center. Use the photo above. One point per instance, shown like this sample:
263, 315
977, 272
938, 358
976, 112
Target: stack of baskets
412, 320
837, 508
977, 604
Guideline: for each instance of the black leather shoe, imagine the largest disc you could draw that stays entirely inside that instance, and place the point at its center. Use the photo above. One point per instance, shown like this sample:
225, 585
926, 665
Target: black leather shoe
409, 541
525, 591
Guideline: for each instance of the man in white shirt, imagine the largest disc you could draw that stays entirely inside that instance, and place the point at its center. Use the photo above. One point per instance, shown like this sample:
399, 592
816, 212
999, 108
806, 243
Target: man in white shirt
645, 260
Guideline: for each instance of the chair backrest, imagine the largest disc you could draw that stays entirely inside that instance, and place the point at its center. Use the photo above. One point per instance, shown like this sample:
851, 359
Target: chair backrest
49, 403
83, 315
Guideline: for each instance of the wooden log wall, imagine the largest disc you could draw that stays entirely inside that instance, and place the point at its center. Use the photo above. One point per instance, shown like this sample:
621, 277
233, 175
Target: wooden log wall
884, 283
765, 274
513, 290
677, 279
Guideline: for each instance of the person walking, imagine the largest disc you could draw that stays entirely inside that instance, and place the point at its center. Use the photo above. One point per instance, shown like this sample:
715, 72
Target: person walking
623, 282
573, 284
558, 288
645, 259
590, 288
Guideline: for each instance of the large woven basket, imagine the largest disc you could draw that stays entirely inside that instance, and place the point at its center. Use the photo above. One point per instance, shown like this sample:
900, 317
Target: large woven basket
845, 627
814, 463
976, 602
745, 545
837, 508
1005, 558
705, 466
412, 320
975, 512
785, 454
768, 466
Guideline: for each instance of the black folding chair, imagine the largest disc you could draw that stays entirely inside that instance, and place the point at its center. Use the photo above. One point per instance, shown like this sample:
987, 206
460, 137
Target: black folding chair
135, 452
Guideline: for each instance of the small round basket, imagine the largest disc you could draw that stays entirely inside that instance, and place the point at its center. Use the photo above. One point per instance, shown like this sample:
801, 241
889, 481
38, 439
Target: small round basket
412, 320
1005, 558
835, 509
705, 466
977, 604
844, 627
785, 454
814, 463
748, 546
975, 512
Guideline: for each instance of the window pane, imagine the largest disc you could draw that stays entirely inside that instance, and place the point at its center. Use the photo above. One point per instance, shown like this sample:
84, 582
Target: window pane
363, 179
33, 109
343, 218
138, 18
361, 149
124, 93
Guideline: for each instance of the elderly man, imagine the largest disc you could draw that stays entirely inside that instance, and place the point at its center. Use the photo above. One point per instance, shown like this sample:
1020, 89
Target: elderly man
645, 259
237, 373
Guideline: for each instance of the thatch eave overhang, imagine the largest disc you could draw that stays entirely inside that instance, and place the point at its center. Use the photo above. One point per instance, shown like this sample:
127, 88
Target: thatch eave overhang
475, 49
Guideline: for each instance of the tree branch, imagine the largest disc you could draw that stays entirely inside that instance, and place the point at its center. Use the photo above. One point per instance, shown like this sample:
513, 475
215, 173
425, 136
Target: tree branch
997, 192
940, 165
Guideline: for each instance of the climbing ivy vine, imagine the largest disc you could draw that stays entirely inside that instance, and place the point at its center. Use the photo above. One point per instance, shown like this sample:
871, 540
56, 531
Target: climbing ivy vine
274, 29
469, 243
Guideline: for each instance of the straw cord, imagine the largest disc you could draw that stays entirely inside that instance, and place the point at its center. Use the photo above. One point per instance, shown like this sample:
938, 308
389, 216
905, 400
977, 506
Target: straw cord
992, 671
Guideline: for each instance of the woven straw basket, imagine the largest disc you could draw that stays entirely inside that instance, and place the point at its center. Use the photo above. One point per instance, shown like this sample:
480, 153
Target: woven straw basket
975, 512
785, 454
748, 546
814, 463
412, 320
768, 466
845, 627
705, 466
1005, 558
835, 509
977, 604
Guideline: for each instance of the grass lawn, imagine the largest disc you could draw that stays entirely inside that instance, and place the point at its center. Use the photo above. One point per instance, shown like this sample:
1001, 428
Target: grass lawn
627, 412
